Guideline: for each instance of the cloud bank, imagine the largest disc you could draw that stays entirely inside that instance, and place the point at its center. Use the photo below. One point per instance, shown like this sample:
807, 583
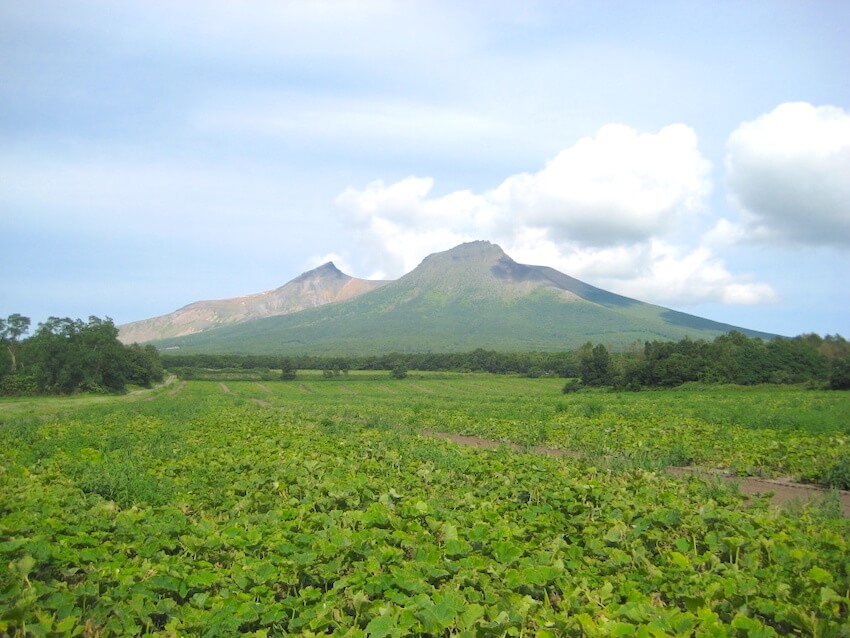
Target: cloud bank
605, 208
788, 172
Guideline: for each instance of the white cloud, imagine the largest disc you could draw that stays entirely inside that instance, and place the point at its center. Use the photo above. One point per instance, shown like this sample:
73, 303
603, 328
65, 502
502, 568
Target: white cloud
619, 187
724, 233
600, 210
399, 224
789, 173
654, 271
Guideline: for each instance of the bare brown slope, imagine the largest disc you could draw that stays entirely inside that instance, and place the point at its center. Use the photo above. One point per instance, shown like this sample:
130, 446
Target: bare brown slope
323, 285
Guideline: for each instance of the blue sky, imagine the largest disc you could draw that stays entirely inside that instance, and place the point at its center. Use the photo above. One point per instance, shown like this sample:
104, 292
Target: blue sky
690, 154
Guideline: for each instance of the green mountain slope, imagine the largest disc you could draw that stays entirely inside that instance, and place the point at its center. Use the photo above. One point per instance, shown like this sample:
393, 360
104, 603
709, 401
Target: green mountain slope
469, 297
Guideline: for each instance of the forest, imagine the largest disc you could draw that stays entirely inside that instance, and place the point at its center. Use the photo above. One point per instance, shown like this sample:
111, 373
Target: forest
65, 356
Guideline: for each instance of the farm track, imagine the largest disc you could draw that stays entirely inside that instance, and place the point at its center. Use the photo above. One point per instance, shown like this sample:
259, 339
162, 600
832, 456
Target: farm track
170, 380
781, 491
179, 387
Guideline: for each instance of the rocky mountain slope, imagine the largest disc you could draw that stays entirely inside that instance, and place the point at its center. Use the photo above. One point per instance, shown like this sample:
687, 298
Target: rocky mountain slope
322, 285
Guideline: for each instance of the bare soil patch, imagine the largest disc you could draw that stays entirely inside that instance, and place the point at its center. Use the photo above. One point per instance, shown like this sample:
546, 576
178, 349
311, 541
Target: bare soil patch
224, 388
265, 404
264, 388
179, 387
781, 491
171, 379
306, 389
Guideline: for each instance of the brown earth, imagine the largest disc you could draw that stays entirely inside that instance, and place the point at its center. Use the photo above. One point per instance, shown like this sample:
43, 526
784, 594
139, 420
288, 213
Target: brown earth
780, 491
177, 389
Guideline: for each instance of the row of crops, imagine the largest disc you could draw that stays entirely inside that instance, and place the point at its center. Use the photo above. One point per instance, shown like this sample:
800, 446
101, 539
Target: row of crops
316, 508
767, 431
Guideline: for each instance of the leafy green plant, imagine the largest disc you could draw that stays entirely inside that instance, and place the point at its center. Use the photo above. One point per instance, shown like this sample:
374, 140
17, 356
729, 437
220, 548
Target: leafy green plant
204, 513
572, 385
837, 475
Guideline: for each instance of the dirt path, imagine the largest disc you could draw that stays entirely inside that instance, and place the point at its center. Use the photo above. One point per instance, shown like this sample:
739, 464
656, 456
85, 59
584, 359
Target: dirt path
179, 387
225, 389
783, 492
171, 379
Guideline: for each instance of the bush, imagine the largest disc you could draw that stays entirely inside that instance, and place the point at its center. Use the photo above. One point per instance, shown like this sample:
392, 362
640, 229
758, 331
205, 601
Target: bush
840, 378
399, 372
837, 475
18, 385
287, 370
573, 385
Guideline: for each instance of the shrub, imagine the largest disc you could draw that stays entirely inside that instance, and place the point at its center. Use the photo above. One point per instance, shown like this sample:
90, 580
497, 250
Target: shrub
840, 378
18, 385
573, 385
837, 475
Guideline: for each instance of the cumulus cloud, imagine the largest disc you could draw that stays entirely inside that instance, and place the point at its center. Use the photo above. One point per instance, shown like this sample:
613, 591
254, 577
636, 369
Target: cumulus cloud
618, 187
655, 271
400, 224
789, 173
600, 210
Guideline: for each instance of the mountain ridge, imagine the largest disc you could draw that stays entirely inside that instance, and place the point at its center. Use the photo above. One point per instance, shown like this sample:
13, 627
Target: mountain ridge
473, 295
321, 285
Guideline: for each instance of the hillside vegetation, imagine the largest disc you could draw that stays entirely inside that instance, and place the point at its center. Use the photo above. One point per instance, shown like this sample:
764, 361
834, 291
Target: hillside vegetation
473, 296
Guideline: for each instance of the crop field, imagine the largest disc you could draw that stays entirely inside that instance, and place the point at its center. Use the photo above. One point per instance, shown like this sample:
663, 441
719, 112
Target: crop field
326, 506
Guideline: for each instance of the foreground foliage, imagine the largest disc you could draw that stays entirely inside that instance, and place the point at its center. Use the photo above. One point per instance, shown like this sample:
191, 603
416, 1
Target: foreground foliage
206, 514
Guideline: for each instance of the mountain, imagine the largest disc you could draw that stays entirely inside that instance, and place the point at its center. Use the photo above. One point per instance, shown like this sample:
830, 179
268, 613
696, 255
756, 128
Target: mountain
472, 296
323, 285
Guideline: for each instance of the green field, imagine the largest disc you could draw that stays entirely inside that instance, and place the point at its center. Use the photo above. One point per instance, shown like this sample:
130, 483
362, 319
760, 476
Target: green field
317, 507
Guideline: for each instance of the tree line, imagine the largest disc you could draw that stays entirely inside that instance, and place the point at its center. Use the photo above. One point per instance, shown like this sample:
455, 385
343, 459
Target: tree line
730, 358
564, 364
71, 355
65, 356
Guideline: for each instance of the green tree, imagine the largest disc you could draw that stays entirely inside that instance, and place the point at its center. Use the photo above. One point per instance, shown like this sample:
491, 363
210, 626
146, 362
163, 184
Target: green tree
11, 330
287, 370
399, 372
144, 365
840, 377
68, 355
597, 369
